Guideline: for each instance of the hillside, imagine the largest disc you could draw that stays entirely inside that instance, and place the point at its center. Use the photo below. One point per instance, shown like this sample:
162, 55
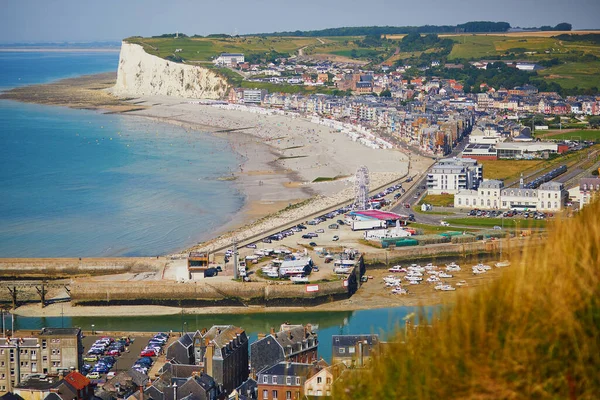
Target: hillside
569, 60
533, 333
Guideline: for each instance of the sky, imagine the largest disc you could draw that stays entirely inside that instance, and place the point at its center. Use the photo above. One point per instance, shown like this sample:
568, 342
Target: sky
108, 20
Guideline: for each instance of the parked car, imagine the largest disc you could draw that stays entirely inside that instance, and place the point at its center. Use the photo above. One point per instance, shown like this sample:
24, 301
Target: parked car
148, 353
320, 231
93, 375
90, 357
336, 238
333, 226
313, 244
306, 236
251, 246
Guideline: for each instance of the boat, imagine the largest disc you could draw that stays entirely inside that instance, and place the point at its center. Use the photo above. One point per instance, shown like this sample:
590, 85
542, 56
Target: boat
272, 274
501, 264
399, 290
343, 270
477, 270
397, 268
482, 266
452, 267
445, 275
430, 267
414, 273
413, 278
433, 278
299, 279
461, 283
447, 288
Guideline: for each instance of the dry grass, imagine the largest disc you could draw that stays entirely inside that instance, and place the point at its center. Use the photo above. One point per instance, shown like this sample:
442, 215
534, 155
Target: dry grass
533, 333
508, 169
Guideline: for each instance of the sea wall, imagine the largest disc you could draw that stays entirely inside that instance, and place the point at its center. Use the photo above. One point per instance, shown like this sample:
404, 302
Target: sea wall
204, 293
142, 74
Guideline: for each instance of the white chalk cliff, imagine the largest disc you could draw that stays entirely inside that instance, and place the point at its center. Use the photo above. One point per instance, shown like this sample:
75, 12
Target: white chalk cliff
142, 74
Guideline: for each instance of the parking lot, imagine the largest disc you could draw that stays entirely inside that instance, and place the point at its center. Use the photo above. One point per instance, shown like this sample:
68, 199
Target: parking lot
127, 358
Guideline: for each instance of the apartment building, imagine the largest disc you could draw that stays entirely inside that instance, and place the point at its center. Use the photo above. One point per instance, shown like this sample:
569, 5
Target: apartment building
53, 351
453, 174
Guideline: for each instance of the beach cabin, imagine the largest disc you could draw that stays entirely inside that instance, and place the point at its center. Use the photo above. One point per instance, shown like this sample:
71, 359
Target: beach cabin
197, 264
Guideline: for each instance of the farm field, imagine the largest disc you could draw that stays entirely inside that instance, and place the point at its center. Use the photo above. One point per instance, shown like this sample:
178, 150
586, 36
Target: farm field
572, 74
588, 134
508, 169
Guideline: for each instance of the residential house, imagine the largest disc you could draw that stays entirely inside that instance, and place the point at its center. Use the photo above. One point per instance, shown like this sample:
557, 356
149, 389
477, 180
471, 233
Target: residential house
319, 384
293, 343
73, 386
177, 382
453, 174
354, 350
123, 385
283, 381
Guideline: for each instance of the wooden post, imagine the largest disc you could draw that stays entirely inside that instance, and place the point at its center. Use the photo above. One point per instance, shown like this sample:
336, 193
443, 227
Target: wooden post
42, 294
13, 294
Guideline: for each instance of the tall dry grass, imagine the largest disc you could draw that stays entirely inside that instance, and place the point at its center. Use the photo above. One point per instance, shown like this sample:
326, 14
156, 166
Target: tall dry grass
532, 334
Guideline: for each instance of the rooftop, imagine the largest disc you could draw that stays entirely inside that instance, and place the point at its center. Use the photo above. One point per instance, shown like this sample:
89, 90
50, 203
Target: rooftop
60, 332
377, 214
351, 340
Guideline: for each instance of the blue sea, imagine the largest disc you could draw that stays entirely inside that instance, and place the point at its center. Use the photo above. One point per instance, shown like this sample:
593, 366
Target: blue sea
78, 183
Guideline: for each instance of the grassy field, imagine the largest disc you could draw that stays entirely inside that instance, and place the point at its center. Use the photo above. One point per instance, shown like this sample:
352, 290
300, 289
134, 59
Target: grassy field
434, 229
509, 223
204, 49
438, 200
571, 74
508, 169
531, 333
590, 134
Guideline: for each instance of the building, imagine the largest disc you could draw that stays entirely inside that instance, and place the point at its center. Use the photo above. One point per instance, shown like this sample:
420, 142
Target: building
354, 350
284, 380
123, 385
254, 96
320, 381
528, 150
229, 59
177, 382
54, 350
181, 351
222, 352
197, 264
588, 188
293, 343
74, 386
491, 194
480, 151
453, 174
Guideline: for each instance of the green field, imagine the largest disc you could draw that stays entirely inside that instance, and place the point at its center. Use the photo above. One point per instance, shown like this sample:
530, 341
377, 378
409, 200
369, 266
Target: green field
587, 134
509, 223
581, 74
439, 200
205, 49
508, 169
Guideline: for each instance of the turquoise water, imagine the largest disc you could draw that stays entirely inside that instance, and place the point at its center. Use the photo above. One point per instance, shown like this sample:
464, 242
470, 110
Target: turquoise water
381, 321
77, 183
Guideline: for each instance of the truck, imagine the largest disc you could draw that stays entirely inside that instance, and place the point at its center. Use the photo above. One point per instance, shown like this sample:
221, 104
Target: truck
368, 224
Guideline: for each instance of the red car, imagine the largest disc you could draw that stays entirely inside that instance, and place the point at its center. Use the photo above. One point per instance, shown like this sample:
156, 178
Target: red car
148, 353
113, 352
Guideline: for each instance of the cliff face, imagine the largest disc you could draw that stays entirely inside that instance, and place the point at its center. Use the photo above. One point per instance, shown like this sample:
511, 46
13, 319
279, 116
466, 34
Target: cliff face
142, 74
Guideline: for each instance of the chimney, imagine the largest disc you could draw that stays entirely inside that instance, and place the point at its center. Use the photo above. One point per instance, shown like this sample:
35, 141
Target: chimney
210, 352
261, 336
141, 393
272, 331
175, 391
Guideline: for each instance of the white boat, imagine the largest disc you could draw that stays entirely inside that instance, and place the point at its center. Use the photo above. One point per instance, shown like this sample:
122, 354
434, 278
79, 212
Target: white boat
461, 283
272, 274
482, 266
397, 268
477, 270
501, 264
343, 270
433, 278
445, 275
299, 279
414, 273
452, 267
399, 290
413, 278
414, 282
430, 267
447, 288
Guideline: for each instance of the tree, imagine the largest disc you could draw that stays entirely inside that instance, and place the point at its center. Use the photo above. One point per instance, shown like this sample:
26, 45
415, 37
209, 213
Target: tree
563, 26
385, 93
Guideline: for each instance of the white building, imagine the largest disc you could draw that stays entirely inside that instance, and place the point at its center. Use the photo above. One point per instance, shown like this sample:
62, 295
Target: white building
451, 175
588, 188
254, 96
229, 59
550, 196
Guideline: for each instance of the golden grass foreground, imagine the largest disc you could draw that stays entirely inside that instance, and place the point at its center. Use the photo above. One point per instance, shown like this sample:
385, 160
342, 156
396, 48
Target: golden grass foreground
531, 334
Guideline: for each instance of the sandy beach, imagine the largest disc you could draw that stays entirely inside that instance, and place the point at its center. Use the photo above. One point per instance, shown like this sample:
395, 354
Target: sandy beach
284, 156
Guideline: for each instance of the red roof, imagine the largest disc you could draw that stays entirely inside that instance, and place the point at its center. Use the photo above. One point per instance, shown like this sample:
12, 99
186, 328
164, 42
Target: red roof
383, 215
77, 380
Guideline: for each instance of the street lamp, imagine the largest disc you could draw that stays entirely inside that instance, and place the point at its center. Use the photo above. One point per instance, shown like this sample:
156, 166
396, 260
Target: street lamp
93, 328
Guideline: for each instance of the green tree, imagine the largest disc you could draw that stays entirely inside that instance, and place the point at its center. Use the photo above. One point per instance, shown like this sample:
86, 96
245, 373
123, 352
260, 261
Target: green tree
385, 93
